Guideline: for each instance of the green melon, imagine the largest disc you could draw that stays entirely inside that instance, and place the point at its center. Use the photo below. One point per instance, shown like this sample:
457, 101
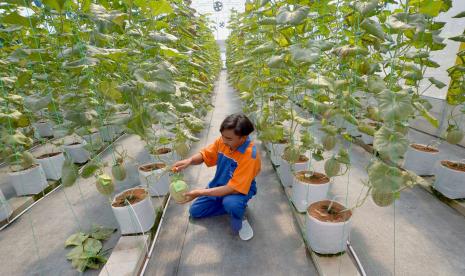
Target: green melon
177, 190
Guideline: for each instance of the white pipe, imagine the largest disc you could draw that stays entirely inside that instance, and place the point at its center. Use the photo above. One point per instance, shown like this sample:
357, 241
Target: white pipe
357, 260
147, 258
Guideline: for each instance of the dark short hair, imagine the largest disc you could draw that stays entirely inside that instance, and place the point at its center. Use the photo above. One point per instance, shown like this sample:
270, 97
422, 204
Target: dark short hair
241, 125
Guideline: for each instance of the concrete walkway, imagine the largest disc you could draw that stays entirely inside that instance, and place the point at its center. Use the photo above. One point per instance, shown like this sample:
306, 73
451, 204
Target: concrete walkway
207, 247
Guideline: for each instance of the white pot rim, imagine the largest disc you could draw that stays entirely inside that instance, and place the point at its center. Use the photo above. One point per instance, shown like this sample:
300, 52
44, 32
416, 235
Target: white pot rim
151, 163
326, 222
313, 184
138, 203
80, 144
34, 167
57, 154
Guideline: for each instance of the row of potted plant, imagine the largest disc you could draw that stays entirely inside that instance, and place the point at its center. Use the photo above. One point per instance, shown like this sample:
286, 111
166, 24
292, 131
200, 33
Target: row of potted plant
357, 67
84, 73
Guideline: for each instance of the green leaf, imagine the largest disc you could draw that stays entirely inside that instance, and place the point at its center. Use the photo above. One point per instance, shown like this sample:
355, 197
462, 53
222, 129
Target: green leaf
349, 51
390, 144
16, 19
343, 156
431, 7
80, 264
426, 114
109, 90
395, 106
160, 7
385, 178
69, 172
76, 239
92, 246
276, 61
55, 4
272, 133
375, 84
437, 83
171, 52
398, 21
372, 27
459, 15
285, 16
267, 47
75, 253
185, 107
459, 38
366, 8
302, 55
89, 169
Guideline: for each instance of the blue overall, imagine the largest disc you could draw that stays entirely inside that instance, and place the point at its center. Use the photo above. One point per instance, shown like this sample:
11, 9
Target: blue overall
235, 204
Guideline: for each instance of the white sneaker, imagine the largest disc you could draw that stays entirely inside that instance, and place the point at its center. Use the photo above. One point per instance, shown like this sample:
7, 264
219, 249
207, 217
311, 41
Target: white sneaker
246, 232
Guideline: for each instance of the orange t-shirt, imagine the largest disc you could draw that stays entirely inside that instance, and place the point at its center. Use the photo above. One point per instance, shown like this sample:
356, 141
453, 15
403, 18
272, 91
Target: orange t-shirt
237, 169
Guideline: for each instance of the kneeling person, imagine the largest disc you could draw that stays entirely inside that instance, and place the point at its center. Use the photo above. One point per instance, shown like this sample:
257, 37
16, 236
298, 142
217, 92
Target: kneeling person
237, 164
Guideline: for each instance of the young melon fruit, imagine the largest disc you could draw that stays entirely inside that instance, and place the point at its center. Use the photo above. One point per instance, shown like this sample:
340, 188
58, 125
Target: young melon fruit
177, 190
332, 167
454, 136
382, 198
329, 141
105, 184
119, 172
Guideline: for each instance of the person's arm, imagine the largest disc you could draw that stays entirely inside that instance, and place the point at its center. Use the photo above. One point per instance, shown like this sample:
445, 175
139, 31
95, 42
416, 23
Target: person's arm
196, 159
207, 155
217, 191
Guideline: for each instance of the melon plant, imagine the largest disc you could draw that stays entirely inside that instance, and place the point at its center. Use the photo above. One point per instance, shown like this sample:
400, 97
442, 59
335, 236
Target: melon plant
344, 62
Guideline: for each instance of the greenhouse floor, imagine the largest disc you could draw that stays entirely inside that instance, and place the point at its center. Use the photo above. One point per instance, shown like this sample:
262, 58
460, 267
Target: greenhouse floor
207, 247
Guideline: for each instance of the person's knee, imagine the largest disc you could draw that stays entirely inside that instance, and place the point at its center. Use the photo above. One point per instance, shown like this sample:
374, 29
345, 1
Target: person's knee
233, 205
196, 211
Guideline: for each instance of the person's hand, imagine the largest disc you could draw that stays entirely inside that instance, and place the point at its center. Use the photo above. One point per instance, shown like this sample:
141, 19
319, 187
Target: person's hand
191, 196
181, 165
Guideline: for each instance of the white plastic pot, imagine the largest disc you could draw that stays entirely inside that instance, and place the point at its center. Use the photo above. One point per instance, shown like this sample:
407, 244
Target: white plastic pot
327, 237
108, 133
136, 218
43, 129
166, 158
93, 138
52, 165
156, 180
304, 194
277, 151
285, 171
420, 162
77, 152
366, 139
29, 182
352, 130
449, 182
5, 208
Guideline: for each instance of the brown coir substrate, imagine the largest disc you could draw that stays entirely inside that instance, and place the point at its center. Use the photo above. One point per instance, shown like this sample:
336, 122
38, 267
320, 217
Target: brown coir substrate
457, 166
163, 151
338, 213
133, 196
152, 167
424, 148
316, 178
47, 155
